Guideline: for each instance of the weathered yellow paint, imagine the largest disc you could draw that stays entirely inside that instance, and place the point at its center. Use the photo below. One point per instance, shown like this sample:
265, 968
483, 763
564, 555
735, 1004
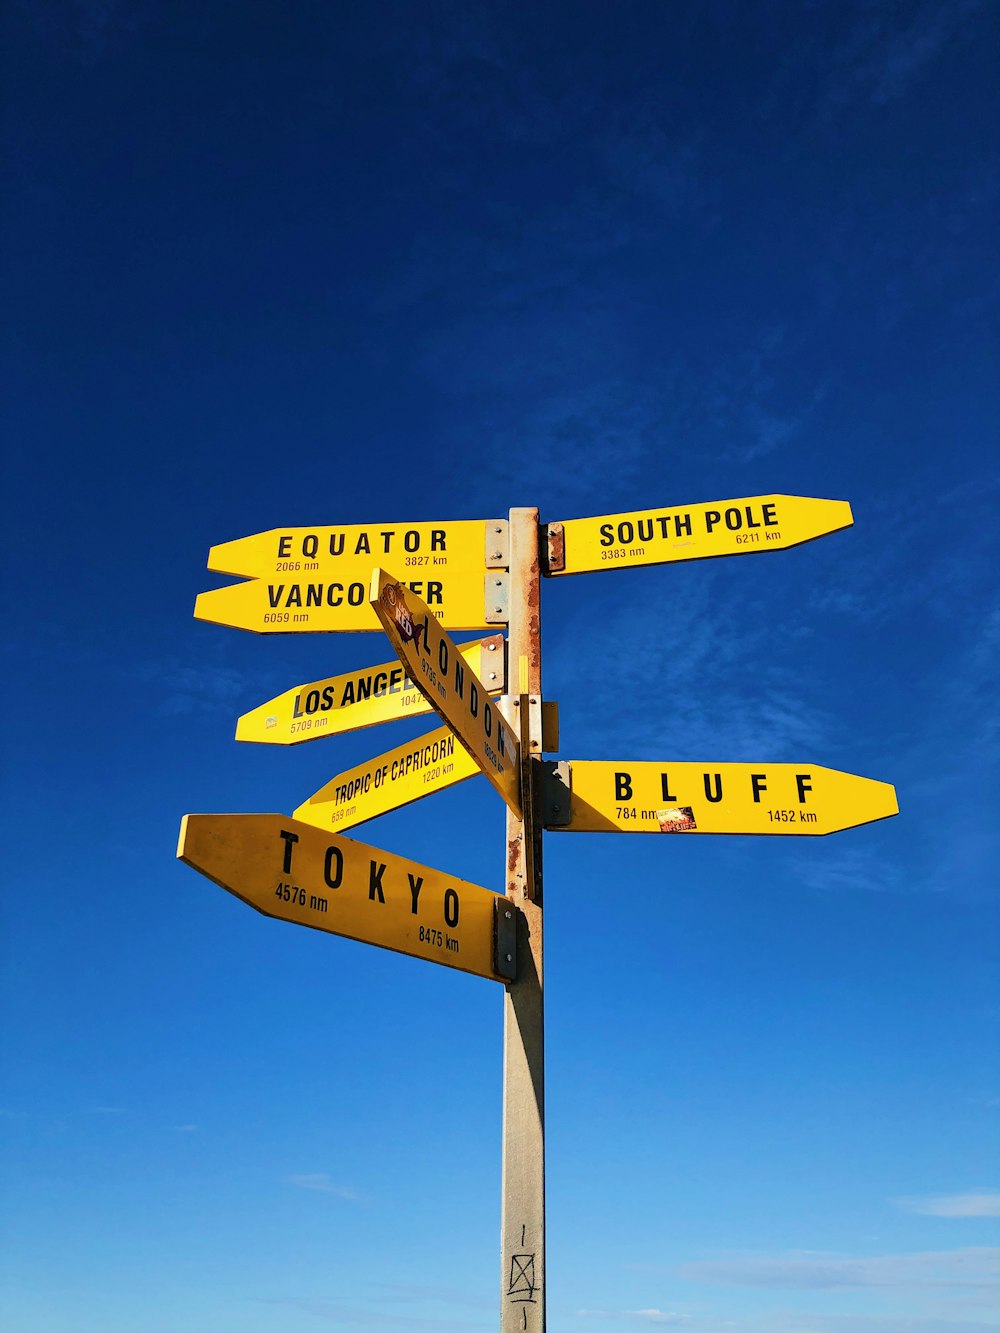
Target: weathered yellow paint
311, 603
434, 664
694, 532
720, 798
420, 767
348, 553
288, 870
359, 699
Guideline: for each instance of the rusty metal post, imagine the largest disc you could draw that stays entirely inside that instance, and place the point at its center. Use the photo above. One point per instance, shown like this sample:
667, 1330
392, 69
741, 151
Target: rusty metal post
522, 1225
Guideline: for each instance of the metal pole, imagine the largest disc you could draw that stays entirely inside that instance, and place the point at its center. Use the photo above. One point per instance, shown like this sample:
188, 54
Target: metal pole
522, 1223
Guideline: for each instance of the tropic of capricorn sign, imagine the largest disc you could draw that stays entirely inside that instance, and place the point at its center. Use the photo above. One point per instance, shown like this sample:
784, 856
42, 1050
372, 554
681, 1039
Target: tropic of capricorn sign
416, 581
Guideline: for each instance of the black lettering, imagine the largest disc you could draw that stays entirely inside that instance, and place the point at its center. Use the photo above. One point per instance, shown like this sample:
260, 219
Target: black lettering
459, 677
331, 589
284, 547
336, 543
411, 540
362, 547
718, 788
355, 594
473, 699
312, 701
416, 884
625, 533
769, 519
437, 539
296, 710
804, 785
665, 788
488, 719
443, 656
712, 516
348, 694
334, 856
645, 529
310, 545
314, 594
434, 589
623, 787
395, 678
607, 534
294, 597
450, 908
375, 882
750, 522
290, 840
759, 785
734, 520
274, 593
379, 684
327, 703
682, 525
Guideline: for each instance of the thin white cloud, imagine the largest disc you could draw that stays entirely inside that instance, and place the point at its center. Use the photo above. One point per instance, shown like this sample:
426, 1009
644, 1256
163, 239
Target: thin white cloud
973, 1203
649, 1316
320, 1181
976, 1268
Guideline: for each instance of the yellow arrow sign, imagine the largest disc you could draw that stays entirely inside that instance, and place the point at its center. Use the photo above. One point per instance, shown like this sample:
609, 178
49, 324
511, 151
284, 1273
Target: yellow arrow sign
420, 767
419, 550
359, 699
297, 603
434, 664
288, 870
692, 532
603, 797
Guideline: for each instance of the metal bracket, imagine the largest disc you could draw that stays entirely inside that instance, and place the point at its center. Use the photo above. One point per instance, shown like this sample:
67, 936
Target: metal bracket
505, 938
497, 543
550, 727
497, 594
493, 662
558, 794
554, 548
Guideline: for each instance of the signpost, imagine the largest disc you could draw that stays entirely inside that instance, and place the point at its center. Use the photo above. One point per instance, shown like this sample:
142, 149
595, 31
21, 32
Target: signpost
296, 873
691, 532
360, 699
414, 770
307, 604
349, 552
606, 797
471, 575
434, 664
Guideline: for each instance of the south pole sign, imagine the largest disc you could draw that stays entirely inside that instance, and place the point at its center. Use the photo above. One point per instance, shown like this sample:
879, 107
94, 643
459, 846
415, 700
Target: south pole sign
416, 582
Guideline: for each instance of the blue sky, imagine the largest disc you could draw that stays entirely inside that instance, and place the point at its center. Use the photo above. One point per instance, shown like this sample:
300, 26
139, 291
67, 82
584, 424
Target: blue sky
285, 265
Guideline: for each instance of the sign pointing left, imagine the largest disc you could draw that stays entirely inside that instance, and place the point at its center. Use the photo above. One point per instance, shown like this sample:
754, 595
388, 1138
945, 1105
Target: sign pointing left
288, 870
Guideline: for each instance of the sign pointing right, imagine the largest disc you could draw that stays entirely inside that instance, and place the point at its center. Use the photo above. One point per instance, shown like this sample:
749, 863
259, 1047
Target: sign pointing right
691, 532
608, 797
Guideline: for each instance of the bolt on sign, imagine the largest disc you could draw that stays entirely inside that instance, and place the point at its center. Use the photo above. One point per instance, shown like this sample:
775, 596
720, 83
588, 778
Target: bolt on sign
604, 797
296, 873
360, 699
434, 664
692, 532
411, 771
305, 580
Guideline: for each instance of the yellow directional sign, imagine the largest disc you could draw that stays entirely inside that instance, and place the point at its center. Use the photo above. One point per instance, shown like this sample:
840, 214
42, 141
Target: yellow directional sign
288, 870
418, 550
434, 664
359, 699
318, 602
418, 768
602, 797
692, 532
